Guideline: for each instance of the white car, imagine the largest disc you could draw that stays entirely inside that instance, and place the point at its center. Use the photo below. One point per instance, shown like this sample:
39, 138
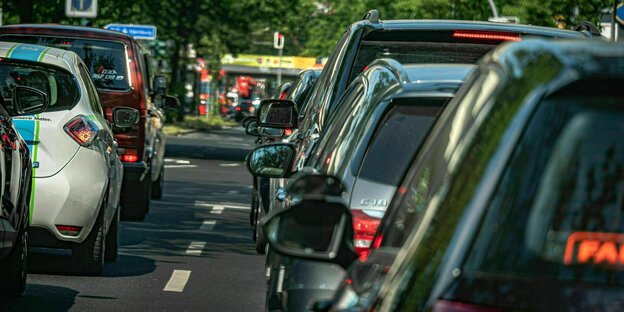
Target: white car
76, 170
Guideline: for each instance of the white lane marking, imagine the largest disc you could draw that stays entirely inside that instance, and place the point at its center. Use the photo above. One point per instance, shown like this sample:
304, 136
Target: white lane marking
180, 166
177, 281
208, 225
217, 209
195, 248
230, 165
177, 161
199, 203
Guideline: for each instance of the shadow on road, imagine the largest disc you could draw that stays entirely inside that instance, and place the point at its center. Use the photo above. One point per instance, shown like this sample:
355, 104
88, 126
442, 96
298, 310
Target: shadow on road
126, 265
41, 298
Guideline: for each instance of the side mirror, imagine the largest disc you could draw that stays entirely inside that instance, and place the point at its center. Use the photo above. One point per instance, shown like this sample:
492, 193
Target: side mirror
278, 114
316, 226
252, 128
245, 122
160, 85
271, 160
28, 101
270, 132
125, 117
171, 101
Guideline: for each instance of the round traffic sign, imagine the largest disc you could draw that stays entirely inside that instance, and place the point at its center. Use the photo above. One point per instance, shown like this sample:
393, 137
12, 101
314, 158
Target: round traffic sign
81, 5
619, 14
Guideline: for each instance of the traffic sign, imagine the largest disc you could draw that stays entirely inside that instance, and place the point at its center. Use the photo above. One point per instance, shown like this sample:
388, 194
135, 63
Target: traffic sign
147, 32
619, 14
278, 40
81, 8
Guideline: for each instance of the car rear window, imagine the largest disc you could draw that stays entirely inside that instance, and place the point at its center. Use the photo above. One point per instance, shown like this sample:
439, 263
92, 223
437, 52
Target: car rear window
106, 60
397, 138
556, 220
59, 85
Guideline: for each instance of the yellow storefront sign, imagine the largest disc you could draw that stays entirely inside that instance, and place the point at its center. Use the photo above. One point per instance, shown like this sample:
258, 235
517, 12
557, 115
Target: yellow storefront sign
267, 61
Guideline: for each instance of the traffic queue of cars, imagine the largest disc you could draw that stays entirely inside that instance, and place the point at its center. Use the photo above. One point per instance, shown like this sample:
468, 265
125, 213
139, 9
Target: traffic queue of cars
449, 166
82, 144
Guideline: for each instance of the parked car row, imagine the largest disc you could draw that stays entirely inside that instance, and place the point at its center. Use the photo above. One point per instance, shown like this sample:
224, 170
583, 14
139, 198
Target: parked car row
82, 144
446, 165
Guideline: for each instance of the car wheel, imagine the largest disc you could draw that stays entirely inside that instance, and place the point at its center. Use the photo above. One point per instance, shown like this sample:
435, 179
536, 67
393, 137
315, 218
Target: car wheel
88, 256
13, 270
259, 234
138, 205
159, 185
112, 239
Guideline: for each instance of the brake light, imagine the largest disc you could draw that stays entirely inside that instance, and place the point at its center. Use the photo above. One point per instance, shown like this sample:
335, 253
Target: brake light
486, 35
237, 108
282, 96
377, 241
203, 96
129, 155
82, 130
452, 306
288, 131
364, 228
69, 230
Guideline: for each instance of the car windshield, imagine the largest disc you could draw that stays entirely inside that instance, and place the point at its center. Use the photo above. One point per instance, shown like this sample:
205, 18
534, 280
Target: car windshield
106, 60
59, 86
558, 211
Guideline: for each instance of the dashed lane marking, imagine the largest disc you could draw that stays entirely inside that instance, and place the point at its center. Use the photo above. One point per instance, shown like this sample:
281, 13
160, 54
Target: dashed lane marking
217, 209
177, 161
208, 225
180, 166
195, 248
178, 280
230, 165
199, 203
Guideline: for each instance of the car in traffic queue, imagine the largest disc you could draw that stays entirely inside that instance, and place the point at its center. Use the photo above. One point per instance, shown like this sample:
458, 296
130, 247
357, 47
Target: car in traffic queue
16, 172
298, 91
378, 126
406, 41
120, 68
513, 202
77, 175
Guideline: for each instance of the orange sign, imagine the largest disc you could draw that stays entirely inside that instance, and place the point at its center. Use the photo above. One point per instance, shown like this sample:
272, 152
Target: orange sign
594, 248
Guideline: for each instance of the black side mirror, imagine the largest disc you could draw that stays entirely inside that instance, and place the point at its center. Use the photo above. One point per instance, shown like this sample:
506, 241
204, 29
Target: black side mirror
171, 101
316, 226
273, 133
252, 128
245, 122
271, 160
125, 117
279, 114
160, 85
28, 101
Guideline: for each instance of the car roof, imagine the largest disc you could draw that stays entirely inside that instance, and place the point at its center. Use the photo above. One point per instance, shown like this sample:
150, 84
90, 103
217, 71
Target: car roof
57, 29
37, 53
424, 24
596, 59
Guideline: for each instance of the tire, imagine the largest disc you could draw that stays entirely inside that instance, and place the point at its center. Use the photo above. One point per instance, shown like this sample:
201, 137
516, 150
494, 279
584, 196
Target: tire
260, 239
159, 185
137, 207
88, 256
13, 269
112, 239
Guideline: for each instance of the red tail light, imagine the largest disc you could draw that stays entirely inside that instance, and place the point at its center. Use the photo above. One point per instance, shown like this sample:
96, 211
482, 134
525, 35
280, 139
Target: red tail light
82, 130
237, 108
129, 155
282, 96
69, 230
287, 131
486, 35
203, 96
364, 228
452, 306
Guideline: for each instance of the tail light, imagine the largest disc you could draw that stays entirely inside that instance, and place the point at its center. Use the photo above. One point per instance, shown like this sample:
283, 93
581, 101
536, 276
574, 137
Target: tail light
282, 96
129, 155
237, 108
287, 131
203, 96
486, 35
448, 306
82, 130
69, 230
364, 228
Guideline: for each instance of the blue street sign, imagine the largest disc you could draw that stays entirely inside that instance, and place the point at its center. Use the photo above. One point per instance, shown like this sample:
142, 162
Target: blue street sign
619, 14
81, 5
147, 32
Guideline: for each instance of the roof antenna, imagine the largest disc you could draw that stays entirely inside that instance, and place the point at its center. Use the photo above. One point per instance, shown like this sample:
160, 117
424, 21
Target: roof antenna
372, 16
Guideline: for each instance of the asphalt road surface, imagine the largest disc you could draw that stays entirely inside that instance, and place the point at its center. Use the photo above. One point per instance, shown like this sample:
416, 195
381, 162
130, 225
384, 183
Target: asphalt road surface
193, 252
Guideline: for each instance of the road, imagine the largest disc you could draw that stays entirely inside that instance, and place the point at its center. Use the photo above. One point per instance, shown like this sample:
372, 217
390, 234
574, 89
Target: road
193, 252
